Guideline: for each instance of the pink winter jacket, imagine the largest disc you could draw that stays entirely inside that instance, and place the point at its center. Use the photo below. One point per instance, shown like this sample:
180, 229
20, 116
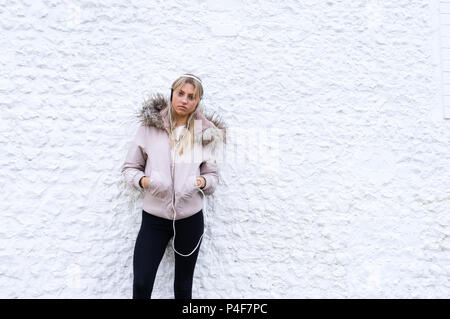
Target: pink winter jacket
150, 155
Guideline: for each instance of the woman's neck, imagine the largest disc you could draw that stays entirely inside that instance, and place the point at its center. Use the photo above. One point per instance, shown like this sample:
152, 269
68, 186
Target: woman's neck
180, 122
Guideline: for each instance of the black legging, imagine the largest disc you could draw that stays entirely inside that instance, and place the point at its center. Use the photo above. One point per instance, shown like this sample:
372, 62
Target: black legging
151, 243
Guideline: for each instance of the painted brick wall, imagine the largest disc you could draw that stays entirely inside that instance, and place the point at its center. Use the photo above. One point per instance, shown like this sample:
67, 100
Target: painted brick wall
444, 18
335, 180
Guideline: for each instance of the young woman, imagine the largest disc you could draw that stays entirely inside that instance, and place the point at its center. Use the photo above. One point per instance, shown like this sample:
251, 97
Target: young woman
172, 160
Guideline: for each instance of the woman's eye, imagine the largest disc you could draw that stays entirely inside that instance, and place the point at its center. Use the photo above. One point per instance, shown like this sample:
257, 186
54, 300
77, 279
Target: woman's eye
180, 94
191, 98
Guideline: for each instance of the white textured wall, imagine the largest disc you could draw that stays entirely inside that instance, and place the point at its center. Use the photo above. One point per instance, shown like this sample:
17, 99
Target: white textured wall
444, 40
356, 203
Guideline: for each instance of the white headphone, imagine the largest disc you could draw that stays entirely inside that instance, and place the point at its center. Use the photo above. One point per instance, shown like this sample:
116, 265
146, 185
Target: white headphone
192, 76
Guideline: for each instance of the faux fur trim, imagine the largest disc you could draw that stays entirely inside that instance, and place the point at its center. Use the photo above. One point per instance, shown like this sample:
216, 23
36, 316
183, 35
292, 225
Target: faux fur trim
151, 114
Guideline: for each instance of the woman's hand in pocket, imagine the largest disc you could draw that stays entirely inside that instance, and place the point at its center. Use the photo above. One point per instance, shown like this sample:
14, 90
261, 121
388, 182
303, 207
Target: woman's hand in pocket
145, 181
201, 181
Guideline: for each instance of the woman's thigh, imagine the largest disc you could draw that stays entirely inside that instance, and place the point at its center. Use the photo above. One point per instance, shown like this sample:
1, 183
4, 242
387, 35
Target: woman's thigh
150, 246
188, 232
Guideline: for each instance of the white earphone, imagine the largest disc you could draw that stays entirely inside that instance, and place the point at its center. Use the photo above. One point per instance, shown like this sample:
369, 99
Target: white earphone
175, 212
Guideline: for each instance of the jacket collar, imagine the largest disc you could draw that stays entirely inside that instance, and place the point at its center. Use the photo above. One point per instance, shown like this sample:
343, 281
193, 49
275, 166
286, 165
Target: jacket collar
154, 112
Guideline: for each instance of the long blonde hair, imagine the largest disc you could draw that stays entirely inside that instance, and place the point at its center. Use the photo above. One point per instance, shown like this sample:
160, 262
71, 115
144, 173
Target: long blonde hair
187, 133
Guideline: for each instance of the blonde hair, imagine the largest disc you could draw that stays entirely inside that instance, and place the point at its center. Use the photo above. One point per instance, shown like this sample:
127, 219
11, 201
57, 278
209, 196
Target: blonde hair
187, 133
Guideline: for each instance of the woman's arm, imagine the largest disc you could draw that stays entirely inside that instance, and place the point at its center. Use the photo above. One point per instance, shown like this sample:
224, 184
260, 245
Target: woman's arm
134, 164
208, 169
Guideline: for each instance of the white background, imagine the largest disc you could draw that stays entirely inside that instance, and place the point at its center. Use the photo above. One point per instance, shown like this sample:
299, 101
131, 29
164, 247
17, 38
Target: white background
336, 180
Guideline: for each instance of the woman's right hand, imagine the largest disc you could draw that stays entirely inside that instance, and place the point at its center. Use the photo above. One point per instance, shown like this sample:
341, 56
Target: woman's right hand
144, 181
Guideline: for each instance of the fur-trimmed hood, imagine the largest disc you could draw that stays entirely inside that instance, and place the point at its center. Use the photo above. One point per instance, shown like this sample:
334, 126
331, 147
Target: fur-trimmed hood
154, 112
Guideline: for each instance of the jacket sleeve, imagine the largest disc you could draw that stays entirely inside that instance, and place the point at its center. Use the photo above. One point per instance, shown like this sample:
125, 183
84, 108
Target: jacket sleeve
208, 169
134, 164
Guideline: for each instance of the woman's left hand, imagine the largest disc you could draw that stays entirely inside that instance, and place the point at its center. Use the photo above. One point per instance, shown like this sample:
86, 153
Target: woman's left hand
201, 181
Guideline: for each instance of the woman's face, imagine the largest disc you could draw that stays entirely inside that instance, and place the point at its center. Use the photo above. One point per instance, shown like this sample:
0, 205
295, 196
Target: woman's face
183, 100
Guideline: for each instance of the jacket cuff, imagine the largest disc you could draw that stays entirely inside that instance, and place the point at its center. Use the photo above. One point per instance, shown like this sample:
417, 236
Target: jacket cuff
136, 179
208, 189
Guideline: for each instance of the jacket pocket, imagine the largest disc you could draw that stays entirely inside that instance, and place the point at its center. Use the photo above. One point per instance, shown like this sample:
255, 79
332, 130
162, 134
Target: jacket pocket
189, 187
159, 186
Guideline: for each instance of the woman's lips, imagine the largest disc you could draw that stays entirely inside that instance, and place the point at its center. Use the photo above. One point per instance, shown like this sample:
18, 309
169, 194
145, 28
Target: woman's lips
182, 107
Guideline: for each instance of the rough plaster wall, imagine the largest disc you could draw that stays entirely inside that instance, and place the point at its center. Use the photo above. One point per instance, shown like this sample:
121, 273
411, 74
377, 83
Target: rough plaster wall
353, 203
